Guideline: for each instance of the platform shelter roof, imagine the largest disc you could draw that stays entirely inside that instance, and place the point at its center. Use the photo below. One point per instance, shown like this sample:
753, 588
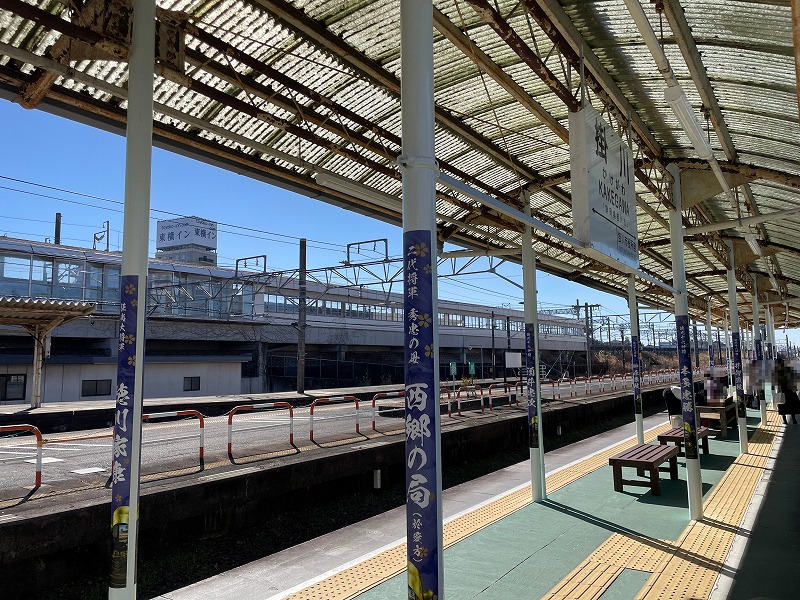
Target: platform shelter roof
305, 94
33, 312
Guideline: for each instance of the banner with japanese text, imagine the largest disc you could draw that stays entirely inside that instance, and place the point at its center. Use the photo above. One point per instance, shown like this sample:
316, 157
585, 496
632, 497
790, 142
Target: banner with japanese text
738, 379
687, 386
123, 430
423, 504
636, 372
530, 381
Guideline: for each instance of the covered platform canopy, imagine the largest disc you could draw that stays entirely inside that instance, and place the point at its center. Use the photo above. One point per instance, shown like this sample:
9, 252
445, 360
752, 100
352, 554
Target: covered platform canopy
305, 95
39, 317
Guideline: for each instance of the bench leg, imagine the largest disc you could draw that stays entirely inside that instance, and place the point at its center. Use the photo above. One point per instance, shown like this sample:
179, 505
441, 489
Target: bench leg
723, 425
655, 481
617, 478
704, 442
673, 468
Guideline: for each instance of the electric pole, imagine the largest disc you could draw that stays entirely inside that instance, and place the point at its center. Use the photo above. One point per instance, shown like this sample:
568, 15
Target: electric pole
301, 322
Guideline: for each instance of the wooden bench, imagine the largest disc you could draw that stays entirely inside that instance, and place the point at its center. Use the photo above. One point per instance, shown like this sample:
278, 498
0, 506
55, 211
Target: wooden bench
725, 414
676, 436
645, 457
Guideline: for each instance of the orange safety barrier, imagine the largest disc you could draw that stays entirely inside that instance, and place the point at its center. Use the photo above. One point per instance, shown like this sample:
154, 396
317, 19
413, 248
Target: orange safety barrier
35, 431
182, 413
505, 387
469, 388
379, 395
244, 407
445, 390
325, 401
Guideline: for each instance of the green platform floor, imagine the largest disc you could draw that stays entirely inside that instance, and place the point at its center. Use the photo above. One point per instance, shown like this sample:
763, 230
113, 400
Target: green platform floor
527, 553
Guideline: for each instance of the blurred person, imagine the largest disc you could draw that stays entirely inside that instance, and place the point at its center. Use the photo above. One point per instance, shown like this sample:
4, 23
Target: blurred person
716, 385
785, 380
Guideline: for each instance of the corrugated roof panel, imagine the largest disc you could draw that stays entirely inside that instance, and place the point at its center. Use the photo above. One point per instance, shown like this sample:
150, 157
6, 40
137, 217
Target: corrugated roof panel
745, 48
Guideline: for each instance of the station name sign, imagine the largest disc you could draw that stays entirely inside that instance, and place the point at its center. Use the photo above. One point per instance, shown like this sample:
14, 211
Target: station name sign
603, 191
185, 231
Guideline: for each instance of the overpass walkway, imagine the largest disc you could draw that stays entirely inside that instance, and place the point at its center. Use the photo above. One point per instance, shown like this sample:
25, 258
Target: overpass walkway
584, 541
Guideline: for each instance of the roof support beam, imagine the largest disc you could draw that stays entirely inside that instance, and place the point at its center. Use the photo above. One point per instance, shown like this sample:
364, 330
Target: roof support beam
685, 40
321, 37
749, 171
557, 25
461, 41
796, 37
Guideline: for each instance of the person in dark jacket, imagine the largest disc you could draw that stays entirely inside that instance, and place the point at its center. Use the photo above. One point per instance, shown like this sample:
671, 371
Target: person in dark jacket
786, 382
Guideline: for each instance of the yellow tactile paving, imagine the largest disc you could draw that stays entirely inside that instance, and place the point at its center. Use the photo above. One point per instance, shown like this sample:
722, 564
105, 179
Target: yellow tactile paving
349, 583
688, 567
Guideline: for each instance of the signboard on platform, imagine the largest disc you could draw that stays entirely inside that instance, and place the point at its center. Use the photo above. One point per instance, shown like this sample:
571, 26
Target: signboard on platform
513, 360
603, 192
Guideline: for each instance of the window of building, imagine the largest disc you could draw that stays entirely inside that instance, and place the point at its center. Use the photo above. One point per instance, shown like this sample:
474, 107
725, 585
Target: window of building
191, 384
12, 387
96, 387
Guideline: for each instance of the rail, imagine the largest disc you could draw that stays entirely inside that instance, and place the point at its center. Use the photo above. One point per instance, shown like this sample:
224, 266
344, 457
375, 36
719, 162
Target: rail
475, 389
328, 400
176, 414
261, 406
39, 443
506, 389
380, 395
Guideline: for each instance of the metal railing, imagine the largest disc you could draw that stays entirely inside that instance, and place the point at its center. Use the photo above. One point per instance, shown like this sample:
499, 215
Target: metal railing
330, 400
39, 443
176, 414
262, 406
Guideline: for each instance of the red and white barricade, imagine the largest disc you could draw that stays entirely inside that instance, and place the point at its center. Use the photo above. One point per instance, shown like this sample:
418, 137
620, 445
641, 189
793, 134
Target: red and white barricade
263, 406
39, 443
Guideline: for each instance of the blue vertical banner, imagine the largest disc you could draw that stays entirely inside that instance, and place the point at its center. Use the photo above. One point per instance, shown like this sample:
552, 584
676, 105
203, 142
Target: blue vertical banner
759, 350
422, 406
636, 373
530, 381
687, 386
123, 430
738, 379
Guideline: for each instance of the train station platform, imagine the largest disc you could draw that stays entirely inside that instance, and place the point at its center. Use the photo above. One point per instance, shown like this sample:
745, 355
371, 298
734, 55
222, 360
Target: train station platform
584, 541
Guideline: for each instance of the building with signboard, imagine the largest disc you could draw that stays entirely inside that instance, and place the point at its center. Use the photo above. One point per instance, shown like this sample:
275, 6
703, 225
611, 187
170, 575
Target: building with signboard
187, 239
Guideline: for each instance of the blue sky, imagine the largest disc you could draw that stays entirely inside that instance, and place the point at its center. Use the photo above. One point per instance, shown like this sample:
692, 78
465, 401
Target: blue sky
43, 149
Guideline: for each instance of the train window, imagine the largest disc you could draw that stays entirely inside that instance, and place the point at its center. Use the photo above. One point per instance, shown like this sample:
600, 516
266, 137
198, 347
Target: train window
191, 384
96, 387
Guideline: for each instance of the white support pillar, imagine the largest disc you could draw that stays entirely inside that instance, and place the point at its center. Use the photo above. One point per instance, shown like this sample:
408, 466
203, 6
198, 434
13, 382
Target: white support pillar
728, 361
741, 409
710, 341
126, 456
425, 547
538, 492
770, 322
636, 368
693, 477
38, 366
760, 373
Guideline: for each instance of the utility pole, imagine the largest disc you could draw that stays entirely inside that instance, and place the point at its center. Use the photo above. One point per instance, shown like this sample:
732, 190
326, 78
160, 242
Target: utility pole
57, 233
301, 322
508, 346
622, 345
586, 309
494, 372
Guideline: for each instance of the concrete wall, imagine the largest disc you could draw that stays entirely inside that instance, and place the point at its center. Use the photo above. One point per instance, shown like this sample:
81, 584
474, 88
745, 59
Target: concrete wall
62, 383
